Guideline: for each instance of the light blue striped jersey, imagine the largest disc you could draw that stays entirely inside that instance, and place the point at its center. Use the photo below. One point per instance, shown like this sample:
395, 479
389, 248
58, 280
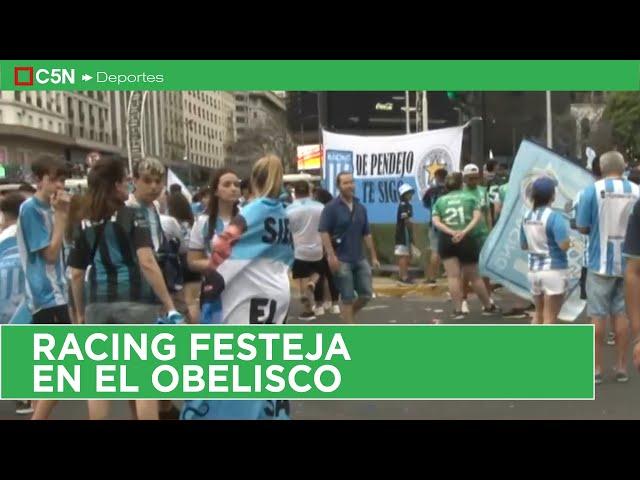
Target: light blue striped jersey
46, 285
12, 281
605, 208
541, 233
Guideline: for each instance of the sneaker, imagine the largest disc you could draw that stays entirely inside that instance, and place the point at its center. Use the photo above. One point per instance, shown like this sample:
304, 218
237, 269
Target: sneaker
318, 311
23, 407
335, 309
598, 378
611, 339
622, 377
406, 281
530, 308
306, 316
327, 305
492, 310
465, 307
457, 316
430, 282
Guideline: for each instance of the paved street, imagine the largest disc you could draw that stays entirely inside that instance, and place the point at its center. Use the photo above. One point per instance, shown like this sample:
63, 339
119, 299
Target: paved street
613, 401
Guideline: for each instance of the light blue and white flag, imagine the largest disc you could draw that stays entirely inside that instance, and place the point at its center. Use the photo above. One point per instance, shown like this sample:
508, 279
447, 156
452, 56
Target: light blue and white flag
501, 258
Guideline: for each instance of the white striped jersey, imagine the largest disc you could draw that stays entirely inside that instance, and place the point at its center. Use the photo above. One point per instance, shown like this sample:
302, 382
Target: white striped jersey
46, 284
253, 283
12, 281
604, 208
541, 233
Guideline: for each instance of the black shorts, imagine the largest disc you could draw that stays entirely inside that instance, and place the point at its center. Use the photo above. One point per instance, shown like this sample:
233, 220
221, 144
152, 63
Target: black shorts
188, 276
467, 251
304, 269
52, 316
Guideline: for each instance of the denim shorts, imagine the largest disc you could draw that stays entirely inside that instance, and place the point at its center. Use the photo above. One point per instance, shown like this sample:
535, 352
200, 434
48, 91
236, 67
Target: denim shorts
605, 295
354, 278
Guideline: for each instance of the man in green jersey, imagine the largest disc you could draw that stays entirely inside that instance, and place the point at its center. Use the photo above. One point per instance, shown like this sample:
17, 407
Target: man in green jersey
456, 215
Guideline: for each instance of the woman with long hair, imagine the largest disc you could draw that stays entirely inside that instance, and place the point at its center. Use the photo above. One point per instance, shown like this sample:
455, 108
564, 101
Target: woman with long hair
455, 215
113, 250
544, 234
223, 206
249, 272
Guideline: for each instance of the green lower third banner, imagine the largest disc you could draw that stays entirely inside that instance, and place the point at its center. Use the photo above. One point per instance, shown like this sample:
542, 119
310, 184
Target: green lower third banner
297, 362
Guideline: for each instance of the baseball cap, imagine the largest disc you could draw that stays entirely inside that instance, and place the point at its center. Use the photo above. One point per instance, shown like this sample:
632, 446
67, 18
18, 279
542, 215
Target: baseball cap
404, 188
471, 169
544, 185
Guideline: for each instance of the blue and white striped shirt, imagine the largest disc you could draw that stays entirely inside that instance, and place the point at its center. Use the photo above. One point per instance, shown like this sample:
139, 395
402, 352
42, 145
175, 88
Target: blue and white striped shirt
12, 281
541, 233
604, 208
46, 284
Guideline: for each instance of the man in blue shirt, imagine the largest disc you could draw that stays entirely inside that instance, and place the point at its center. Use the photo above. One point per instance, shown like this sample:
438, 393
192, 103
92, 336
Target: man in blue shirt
603, 214
40, 233
343, 226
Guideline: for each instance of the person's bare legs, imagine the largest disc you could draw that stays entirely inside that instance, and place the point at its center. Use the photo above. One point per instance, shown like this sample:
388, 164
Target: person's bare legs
434, 266
306, 295
538, 316
347, 313
359, 304
403, 267
600, 326
191, 294
99, 409
43, 409
621, 324
147, 409
552, 307
470, 273
454, 279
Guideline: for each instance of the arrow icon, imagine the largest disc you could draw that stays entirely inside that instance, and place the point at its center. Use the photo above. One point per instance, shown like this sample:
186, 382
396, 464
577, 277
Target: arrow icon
86, 77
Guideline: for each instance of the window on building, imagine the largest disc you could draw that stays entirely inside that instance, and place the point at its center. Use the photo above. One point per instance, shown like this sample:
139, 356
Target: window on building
101, 136
40, 123
0, 116
50, 125
90, 94
255, 114
92, 135
28, 97
60, 128
16, 96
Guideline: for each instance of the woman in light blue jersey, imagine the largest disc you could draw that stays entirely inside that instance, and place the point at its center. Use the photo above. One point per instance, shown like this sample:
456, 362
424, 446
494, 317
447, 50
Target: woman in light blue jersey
248, 272
223, 206
545, 235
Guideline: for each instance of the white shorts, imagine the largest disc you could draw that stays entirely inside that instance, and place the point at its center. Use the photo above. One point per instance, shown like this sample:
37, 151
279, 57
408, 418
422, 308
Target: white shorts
402, 251
549, 282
